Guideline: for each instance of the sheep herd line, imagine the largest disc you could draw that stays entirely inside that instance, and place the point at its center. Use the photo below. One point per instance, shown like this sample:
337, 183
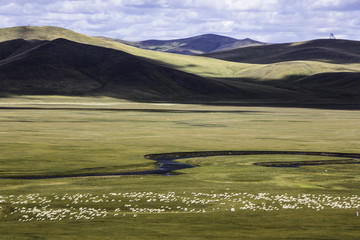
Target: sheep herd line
88, 206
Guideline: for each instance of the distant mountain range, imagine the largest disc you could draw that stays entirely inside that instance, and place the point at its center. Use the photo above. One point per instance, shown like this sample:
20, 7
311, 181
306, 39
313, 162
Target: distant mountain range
57, 61
201, 44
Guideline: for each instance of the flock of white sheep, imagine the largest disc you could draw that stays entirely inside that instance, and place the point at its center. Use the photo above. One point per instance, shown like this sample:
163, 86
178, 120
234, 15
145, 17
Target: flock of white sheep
87, 206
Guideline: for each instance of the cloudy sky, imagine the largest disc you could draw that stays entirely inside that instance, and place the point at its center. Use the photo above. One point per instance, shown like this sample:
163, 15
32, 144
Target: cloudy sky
264, 20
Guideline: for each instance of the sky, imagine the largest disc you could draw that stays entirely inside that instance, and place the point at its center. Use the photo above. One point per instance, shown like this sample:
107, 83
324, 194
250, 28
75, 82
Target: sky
272, 21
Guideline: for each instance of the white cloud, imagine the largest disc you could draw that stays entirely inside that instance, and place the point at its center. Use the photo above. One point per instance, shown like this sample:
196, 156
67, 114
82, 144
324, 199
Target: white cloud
265, 20
348, 5
225, 5
9, 9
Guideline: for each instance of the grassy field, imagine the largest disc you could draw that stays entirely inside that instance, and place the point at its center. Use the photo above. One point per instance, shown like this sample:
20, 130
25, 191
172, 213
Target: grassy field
223, 197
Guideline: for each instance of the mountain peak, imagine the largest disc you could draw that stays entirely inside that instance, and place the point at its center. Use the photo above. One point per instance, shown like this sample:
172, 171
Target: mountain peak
205, 43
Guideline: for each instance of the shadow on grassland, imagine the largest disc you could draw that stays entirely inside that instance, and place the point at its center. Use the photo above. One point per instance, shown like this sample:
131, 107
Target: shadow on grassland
124, 110
338, 90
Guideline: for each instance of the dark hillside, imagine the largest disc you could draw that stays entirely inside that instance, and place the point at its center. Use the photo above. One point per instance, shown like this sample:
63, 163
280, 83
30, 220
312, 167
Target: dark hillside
324, 50
65, 67
17, 46
338, 87
344, 85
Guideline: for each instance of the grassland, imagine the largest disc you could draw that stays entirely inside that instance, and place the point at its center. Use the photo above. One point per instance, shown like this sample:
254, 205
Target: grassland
69, 135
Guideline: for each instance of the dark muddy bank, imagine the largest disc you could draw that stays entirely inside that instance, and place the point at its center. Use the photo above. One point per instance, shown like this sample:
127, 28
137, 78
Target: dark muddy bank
181, 155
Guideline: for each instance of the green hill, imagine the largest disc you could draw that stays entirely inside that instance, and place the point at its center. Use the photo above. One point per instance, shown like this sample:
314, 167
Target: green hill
64, 67
323, 50
203, 66
35, 61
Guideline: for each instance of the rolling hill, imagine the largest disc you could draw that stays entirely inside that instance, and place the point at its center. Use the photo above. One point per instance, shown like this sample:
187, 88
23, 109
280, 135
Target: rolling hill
194, 45
203, 66
323, 50
64, 67
52, 60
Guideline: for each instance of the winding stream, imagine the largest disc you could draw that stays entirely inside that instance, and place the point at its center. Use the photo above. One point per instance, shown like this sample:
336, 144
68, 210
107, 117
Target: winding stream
166, 163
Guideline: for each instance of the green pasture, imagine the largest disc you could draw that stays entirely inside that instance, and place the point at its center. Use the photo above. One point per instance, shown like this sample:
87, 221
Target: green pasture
54, 136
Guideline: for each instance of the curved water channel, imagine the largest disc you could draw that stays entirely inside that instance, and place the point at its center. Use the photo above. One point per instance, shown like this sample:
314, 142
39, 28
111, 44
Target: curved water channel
166, 163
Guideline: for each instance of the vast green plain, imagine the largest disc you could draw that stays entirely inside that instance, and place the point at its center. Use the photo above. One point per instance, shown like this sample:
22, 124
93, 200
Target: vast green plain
222, 197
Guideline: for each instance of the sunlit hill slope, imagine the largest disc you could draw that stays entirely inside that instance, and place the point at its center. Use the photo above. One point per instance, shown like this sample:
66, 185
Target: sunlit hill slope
52, 60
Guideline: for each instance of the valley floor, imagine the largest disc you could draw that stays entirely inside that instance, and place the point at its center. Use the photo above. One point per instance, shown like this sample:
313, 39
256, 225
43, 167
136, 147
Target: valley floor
223, 197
